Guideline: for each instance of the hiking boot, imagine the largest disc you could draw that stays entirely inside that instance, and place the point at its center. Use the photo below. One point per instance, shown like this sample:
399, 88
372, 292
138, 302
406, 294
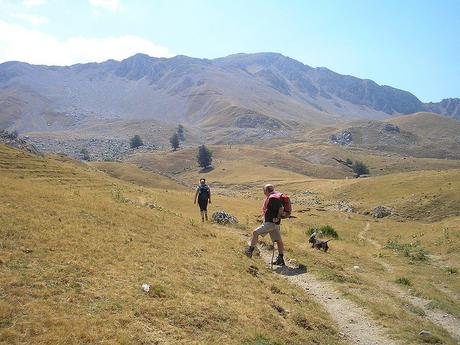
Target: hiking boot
279, 261
248, 252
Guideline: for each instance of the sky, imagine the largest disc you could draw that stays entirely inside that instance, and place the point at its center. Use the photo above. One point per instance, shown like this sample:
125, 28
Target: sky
413, 45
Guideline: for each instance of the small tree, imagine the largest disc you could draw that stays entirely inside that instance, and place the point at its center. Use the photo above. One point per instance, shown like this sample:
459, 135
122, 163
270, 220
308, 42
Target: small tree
84, 154
204, 156
136, 141
360, 168
174, 140
180, 132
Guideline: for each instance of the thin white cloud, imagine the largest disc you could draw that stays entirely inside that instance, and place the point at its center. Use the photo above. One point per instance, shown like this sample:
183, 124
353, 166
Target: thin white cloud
32, 3
110, 5
31, 19
36, 47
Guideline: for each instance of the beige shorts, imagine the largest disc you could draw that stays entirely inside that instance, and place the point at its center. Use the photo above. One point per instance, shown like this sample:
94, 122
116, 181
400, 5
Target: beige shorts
270, 228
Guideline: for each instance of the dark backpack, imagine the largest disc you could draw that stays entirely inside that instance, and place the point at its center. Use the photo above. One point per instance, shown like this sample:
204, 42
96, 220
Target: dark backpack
203, 192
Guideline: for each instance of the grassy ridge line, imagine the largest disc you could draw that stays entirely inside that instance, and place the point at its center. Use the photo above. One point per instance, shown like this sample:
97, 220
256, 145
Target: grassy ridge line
74, 256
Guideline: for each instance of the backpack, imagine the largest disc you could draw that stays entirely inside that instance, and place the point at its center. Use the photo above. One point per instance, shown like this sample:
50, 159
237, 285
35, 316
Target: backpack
287, 206
203, 191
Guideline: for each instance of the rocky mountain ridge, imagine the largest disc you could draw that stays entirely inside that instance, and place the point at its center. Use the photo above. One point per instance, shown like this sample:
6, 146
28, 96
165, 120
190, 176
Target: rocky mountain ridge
266, 90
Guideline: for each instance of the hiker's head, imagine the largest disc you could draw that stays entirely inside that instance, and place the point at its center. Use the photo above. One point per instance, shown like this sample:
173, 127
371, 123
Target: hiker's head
268, 188
202, 181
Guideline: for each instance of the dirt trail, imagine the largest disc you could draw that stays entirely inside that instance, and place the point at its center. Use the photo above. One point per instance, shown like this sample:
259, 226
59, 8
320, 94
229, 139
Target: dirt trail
363, 237
354, 322
450, 323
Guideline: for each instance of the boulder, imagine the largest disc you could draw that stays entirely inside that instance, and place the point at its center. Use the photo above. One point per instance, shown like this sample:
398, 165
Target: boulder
391, 128
222, 217
343, 138
381, 211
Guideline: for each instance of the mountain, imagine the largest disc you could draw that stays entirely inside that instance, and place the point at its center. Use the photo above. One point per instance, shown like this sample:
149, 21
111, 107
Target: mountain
266, 91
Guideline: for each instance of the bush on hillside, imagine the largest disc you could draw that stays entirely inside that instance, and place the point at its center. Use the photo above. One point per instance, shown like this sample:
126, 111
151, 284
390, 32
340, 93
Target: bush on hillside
180, 132
174, 140
204, 156
136, 141
84, 154
325, 231
360, 168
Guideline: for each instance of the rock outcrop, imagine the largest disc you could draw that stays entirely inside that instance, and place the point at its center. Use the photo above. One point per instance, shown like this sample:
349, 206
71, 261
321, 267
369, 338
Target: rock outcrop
222, 217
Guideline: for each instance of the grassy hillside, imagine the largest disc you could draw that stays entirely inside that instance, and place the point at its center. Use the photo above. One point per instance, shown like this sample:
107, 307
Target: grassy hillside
417, 245
77, 245
247, 165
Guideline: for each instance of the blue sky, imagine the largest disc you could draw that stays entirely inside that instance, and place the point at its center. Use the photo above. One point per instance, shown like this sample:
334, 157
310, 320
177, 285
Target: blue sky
412, 45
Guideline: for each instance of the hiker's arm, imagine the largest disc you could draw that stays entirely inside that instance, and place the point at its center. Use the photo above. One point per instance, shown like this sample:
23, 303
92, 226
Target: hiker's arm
196, 194
209, 197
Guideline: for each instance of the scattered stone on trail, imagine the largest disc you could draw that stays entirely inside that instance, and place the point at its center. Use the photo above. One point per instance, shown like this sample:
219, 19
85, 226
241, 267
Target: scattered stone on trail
381, 211
222, 217
343, 206
146, 287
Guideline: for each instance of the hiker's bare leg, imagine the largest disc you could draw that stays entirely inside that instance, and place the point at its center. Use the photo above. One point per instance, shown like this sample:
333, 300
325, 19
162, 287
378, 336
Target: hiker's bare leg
202, 216
255, 238
206, 215
280, 245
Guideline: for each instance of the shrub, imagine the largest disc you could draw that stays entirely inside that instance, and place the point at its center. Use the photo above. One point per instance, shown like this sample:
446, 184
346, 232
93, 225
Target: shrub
84, 154
204, 156
174, 140
451, 270
325, 231
349, 161
360, 168
136, 141
180, 132
404, 281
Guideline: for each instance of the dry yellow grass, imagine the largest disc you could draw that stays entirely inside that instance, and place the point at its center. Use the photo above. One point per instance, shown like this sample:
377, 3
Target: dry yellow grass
426, 226
76, 245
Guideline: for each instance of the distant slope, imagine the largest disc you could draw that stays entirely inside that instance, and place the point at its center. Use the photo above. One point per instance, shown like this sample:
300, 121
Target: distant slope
263, 92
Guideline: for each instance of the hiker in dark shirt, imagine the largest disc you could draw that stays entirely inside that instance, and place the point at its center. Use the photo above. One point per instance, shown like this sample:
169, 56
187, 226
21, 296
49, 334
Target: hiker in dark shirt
203, 193
272, 212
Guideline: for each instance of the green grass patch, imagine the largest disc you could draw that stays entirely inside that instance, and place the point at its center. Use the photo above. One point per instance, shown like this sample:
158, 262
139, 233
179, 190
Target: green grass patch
404, 281
324, 231
413, 251
451, 270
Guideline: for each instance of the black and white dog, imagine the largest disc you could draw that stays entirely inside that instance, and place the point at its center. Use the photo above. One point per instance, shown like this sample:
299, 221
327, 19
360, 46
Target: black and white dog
318, 244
